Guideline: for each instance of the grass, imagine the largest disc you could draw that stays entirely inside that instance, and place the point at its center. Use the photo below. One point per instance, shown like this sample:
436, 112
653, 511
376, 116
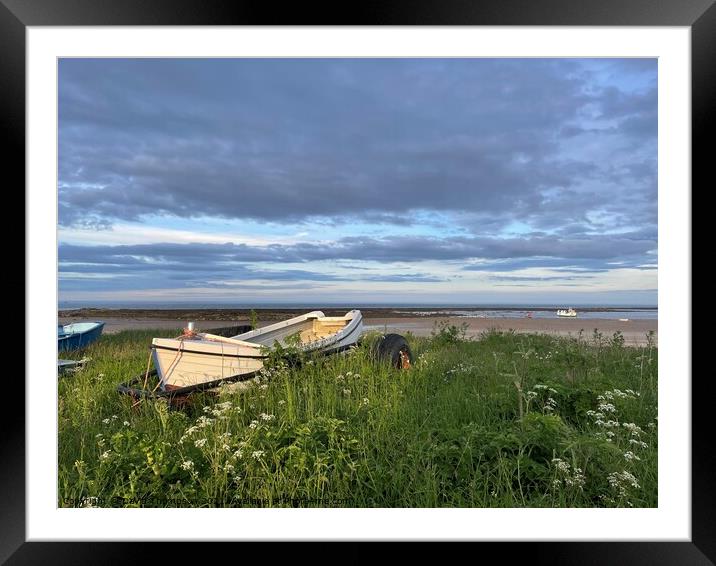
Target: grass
509, 420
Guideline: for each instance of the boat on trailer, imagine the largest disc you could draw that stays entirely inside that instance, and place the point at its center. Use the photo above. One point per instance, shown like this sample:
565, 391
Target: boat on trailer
200, 358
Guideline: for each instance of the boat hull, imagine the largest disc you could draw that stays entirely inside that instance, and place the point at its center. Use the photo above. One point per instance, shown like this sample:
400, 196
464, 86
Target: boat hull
71, 339
182, 363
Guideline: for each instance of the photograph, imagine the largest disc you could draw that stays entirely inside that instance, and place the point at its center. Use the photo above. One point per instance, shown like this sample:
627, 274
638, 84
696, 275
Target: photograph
357, 282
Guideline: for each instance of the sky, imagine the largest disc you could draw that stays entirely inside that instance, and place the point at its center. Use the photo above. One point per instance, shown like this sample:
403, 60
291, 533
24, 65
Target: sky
364, 181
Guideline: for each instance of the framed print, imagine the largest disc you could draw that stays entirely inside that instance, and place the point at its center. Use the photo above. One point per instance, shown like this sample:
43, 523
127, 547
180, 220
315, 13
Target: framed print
422, 176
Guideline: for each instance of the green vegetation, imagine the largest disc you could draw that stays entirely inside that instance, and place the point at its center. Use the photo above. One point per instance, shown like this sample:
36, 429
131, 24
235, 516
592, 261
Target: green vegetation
509, 420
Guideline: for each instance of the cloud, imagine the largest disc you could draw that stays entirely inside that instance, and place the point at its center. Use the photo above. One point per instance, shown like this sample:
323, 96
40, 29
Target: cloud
207, 264
375, 140
515, 278
210, 256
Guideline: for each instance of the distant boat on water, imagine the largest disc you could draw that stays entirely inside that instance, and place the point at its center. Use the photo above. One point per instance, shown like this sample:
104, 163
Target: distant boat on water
570, 312
77, 335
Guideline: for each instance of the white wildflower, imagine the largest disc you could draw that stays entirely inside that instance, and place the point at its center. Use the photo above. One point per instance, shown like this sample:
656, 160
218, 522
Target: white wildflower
620, 480
257, 454
105, 421
577, 479
607, 408
200, 442
254, 424
105, 455
126, 423
187, 465
633, 429
204, 421
561, 465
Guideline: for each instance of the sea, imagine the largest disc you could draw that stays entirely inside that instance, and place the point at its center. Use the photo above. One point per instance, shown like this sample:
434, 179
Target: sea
586, 311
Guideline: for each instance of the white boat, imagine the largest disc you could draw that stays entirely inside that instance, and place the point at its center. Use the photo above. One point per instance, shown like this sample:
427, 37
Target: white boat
199, 357
570, 312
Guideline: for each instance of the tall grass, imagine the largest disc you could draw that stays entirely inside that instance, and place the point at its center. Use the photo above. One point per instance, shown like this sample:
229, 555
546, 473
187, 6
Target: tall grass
509, 420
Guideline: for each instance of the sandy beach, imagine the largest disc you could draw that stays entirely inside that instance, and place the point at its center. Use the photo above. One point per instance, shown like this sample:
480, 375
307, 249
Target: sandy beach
634, 330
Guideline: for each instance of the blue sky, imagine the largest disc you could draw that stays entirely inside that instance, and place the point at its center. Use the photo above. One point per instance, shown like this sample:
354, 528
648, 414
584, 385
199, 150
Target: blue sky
358, 180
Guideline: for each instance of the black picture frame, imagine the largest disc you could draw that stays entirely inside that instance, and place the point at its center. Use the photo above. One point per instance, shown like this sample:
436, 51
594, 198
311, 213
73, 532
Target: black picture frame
699, 15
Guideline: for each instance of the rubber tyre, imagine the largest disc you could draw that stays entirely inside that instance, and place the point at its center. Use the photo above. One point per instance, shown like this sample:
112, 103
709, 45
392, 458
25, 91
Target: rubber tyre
394, 350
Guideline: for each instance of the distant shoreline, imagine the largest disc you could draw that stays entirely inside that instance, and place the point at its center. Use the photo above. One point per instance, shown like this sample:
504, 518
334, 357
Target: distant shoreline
284, 312
635, 331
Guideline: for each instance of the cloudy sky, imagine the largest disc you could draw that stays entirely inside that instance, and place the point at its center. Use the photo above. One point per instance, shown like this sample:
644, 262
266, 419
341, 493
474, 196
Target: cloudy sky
358, 181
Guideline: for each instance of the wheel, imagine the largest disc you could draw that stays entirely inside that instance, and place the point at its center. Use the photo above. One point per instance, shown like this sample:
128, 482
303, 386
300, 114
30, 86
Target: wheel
394, 349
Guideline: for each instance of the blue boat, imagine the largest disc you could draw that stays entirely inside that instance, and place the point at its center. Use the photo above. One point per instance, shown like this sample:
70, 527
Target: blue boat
77, 335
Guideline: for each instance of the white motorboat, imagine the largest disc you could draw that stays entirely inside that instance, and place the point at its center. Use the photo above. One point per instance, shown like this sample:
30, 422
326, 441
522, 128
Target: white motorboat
570, 312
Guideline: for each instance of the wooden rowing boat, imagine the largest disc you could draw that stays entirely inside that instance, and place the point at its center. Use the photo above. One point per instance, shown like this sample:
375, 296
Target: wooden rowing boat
77, 335
200, 357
